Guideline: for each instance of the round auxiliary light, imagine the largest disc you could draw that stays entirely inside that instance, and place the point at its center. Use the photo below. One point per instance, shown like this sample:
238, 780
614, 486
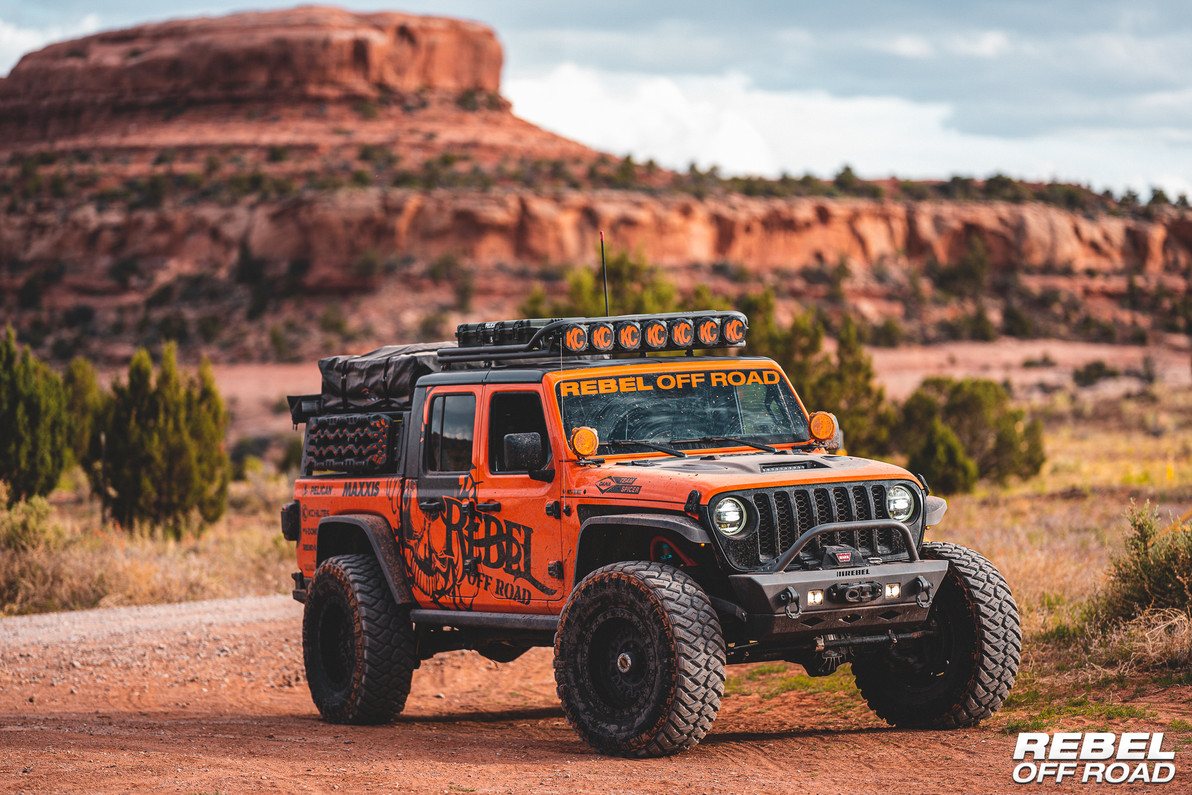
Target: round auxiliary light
601, 337
734, 331
707, 331
585, 441
575, 338
823, 426
655, 335
729, 516
900, 503
629, 335
682, 332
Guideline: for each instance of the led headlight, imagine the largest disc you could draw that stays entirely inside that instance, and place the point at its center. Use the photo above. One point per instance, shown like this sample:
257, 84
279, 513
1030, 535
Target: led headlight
729, 516
900, 503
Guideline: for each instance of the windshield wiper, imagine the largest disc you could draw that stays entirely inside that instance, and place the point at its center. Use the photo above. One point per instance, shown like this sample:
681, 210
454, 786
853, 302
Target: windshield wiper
732, 440
633, 442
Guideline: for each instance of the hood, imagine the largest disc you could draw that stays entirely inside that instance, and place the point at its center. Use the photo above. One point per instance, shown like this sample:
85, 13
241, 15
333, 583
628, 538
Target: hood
671, 480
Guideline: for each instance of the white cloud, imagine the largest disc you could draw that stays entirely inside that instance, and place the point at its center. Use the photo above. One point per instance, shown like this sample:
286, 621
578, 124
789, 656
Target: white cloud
728, 121
985, 44
16, 41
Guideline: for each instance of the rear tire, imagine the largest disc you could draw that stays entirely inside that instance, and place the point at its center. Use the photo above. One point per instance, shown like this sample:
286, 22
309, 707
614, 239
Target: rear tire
639, 660
963, 673
358, 644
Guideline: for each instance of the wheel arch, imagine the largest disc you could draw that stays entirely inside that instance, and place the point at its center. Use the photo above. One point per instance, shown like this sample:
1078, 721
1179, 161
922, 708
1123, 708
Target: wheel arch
350, 534
619, 537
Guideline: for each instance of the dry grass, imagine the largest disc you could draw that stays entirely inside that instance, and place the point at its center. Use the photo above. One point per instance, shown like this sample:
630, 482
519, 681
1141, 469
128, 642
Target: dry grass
81, 562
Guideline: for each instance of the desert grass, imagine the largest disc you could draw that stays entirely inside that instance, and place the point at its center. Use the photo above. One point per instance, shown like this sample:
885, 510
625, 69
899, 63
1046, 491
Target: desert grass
76, 560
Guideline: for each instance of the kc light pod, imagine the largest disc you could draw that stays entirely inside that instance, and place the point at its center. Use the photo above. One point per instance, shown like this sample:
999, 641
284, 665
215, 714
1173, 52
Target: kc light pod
601, 337
682, 332
575, 338
655, 334
707, 331
734, 331
629, 335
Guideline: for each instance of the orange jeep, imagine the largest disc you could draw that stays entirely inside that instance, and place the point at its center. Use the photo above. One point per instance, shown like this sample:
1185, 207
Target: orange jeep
651, 517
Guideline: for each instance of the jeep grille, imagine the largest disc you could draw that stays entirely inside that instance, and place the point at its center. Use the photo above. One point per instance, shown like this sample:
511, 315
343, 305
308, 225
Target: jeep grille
785, 514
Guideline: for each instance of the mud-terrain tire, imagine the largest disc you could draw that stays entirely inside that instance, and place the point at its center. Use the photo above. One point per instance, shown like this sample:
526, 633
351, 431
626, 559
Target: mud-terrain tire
639, 660
962, 674
358, 644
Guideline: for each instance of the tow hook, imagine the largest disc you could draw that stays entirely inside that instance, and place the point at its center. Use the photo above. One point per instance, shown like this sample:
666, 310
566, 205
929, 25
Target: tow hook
922, 592
790, 598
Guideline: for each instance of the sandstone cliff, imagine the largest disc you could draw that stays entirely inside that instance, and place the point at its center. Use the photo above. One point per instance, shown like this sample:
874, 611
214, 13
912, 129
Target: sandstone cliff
269, 185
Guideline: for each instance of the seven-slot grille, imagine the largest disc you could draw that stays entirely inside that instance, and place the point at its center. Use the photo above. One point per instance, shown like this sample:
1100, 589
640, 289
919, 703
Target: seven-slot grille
785, 514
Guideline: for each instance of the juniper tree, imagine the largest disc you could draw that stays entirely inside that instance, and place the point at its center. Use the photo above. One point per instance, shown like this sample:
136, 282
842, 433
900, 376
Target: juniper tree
33, 422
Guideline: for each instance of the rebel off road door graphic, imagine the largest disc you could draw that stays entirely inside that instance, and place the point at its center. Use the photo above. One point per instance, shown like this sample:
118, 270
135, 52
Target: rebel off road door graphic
466, 552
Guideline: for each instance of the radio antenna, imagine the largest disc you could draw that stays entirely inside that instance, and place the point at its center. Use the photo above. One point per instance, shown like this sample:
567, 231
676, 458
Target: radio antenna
604, 267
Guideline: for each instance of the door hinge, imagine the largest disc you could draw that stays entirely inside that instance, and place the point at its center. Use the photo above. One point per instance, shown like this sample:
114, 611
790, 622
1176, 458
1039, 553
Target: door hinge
555, 569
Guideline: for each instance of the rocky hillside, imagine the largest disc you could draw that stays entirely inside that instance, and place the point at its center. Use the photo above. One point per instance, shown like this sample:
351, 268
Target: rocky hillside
276, 185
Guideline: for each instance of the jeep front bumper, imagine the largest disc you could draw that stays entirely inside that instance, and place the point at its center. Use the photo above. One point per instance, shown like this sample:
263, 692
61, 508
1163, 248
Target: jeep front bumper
873, 597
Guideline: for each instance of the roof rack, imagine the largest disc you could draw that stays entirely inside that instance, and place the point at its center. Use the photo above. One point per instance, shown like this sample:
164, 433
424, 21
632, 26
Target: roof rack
542, 338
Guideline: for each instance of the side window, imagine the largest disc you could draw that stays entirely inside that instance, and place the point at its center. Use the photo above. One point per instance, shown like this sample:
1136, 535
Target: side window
513, 412
450, 428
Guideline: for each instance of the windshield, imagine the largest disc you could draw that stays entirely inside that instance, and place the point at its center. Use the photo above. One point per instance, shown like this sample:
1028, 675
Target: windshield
684, 410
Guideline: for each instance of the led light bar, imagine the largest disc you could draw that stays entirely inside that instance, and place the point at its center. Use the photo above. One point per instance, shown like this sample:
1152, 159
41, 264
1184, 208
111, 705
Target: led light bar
580, 336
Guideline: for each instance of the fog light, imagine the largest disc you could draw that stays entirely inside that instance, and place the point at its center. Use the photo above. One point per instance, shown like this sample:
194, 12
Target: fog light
893, 590
815, 598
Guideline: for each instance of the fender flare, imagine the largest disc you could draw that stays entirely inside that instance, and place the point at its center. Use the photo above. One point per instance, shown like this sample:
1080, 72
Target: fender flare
384, 546
682, 526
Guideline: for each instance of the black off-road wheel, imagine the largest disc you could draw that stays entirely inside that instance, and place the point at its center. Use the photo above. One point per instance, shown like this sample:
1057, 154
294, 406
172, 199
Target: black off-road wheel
639, 660
358, 644
963, 671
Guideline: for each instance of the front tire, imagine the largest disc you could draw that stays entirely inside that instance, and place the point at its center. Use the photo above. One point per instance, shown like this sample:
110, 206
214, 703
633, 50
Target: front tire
960, 675
358, 645
639, 660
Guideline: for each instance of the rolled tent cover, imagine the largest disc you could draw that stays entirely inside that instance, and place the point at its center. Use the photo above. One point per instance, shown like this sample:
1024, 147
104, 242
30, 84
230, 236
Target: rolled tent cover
383, 378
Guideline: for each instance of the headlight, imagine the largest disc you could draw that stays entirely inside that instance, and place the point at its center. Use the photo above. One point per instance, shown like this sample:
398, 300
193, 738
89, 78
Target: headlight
900, 503
729, 516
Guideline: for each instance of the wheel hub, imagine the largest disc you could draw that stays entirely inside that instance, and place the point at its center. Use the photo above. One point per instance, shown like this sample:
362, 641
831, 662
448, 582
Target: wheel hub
624, 662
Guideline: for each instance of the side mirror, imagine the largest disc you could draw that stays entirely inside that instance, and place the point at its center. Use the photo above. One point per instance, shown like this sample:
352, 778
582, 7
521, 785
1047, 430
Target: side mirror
523, 452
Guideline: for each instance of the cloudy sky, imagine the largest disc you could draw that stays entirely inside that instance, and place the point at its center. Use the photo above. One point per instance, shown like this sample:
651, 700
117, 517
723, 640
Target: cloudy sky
1081, 90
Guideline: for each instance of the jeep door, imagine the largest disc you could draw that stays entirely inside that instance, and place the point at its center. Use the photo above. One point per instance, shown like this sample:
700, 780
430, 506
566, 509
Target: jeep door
517, 536
438, 502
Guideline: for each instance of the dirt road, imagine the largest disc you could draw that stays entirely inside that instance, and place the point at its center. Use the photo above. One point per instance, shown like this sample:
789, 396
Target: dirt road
209, 696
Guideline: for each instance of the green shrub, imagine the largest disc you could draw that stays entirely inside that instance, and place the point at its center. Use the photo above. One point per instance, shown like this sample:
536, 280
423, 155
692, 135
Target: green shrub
158, 453
940, 459
1154, 572
1094, 371
84, 404
25, 524
991, 431
33, 422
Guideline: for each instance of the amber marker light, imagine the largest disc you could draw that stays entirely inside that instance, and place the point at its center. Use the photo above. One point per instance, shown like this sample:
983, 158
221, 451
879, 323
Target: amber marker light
601, 335
707, 331
823, 426
734, 331
629, 335
682, 332
585, 441
654, 333
575, 339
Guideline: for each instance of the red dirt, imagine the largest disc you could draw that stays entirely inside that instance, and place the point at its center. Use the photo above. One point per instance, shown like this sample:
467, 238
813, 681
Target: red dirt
210, 696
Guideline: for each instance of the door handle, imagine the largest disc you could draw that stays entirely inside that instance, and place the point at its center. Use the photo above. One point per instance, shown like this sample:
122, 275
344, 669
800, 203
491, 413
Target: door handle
430, 504
488, 507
